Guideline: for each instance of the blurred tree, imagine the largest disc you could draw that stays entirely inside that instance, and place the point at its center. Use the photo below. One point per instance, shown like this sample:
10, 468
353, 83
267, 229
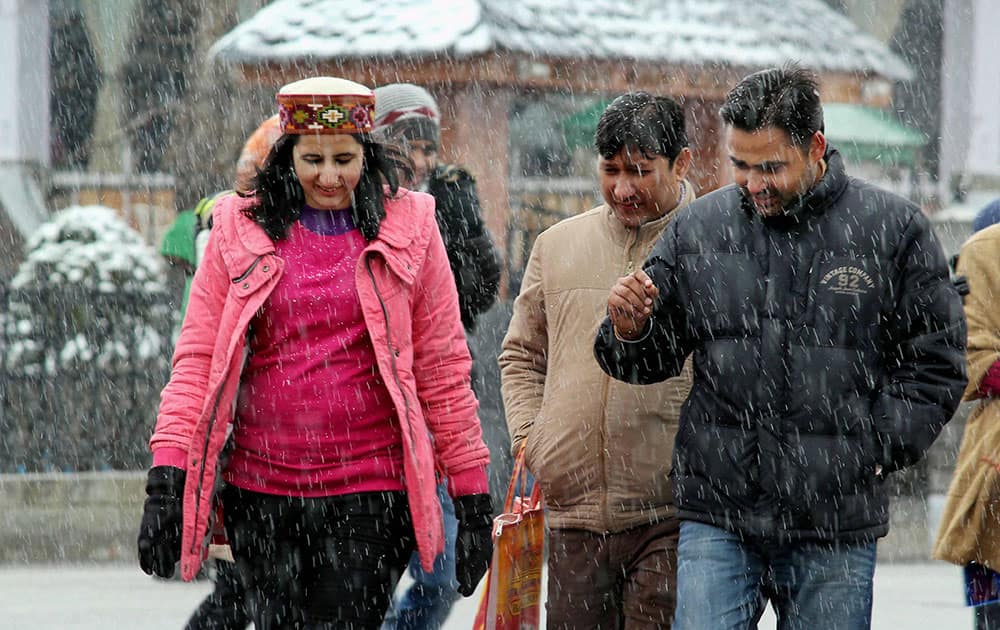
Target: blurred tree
75, 82
155, 76
919, 39
220, 111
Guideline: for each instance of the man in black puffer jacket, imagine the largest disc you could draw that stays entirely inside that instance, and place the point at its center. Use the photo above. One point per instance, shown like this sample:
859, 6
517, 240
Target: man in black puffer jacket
828, 347
408, 115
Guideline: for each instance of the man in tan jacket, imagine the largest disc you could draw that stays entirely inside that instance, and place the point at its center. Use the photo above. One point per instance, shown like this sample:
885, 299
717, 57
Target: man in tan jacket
599, 448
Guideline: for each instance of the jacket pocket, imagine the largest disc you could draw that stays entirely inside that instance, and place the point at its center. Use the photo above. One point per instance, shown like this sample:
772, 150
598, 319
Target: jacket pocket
531, 443
258, 274
843, 300
823, 459
560, 461
400, 263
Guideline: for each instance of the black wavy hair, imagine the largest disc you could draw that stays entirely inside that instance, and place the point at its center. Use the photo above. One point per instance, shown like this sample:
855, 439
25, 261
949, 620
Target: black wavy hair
652, 124
280, 196
786, 98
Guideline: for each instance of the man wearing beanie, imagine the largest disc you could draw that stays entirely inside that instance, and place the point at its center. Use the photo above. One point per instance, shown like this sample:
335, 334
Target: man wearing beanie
408, 116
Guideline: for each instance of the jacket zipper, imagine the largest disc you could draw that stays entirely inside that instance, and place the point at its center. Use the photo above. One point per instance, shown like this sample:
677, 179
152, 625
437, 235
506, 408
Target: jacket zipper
630, 242
392, 350
204, 458
243, 276
211, 423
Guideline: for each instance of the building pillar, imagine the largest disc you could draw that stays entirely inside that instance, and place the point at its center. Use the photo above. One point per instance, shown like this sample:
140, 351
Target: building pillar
984, 151
24, 110
24, 76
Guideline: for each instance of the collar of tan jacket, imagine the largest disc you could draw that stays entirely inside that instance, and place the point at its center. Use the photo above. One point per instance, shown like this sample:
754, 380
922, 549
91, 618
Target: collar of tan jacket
622, 234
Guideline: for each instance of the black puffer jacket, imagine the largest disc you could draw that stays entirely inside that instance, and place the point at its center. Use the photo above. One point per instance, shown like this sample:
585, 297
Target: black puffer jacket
474, 260
826, 342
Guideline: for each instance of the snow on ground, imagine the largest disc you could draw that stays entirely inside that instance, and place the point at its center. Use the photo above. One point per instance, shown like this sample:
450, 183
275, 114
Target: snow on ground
96, 597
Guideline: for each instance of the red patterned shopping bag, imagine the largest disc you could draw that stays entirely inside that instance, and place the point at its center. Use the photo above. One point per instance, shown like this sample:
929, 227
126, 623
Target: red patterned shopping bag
512, 598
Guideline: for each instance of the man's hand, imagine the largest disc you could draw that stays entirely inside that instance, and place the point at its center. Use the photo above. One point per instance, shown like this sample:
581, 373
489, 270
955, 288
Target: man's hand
631, 304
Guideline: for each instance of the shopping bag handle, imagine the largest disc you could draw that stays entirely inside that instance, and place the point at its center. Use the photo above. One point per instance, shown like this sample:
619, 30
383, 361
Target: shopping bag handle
519, 487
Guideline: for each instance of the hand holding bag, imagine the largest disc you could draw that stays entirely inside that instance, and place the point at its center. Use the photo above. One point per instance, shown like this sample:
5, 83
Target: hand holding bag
512, 599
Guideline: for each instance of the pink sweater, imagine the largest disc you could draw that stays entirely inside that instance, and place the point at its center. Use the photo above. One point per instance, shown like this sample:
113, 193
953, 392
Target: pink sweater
314, 417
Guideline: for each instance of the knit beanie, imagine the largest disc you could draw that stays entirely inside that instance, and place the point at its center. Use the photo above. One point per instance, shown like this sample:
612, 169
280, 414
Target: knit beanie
404, 111
989, 215
255, 151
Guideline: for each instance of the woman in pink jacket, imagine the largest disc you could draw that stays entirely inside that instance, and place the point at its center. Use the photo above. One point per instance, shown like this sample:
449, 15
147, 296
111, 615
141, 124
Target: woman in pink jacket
320, 384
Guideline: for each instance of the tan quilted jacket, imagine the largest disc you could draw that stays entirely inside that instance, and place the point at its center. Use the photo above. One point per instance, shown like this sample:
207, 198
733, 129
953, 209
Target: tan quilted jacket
970, 525
600, 448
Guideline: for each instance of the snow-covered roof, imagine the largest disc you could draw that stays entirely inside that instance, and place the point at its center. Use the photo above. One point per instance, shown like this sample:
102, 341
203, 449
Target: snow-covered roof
734, 32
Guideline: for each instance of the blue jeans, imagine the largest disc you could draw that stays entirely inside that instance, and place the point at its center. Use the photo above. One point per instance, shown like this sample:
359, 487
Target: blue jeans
724, 582
426, 604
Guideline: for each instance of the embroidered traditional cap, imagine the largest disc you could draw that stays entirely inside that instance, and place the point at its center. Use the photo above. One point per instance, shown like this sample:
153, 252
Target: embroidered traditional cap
325, 105
407, 111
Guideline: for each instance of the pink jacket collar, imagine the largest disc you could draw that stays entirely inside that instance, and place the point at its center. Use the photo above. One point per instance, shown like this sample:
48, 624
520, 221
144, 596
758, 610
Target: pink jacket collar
394, 237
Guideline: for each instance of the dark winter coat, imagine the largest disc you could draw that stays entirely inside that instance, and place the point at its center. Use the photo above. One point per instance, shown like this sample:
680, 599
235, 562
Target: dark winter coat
828, 343
474, 260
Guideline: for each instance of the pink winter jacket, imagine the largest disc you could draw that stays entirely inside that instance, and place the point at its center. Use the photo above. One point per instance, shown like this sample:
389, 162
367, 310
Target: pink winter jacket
410, 306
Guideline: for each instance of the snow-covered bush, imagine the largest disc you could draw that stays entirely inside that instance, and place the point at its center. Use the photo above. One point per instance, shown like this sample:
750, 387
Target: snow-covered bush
86, 342
90, 290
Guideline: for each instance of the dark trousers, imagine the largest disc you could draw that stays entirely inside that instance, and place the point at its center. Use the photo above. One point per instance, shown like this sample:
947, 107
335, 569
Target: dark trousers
225, 606
613, 581
318, 563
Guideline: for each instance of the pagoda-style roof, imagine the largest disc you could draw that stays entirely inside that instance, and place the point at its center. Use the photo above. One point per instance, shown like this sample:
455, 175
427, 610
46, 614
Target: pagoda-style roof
734, 33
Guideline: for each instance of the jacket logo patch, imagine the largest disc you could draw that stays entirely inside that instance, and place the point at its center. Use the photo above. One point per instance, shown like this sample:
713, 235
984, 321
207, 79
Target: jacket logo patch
847, 280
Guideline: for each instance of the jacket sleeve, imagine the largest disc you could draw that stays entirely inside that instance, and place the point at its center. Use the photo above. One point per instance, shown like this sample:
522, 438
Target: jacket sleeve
524, 352
182, 400
924, 351
474, 259
978, 263
441, 368
659, 354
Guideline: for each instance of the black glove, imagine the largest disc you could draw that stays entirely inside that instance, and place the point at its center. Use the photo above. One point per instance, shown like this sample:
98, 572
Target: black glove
160, 529
474, 544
